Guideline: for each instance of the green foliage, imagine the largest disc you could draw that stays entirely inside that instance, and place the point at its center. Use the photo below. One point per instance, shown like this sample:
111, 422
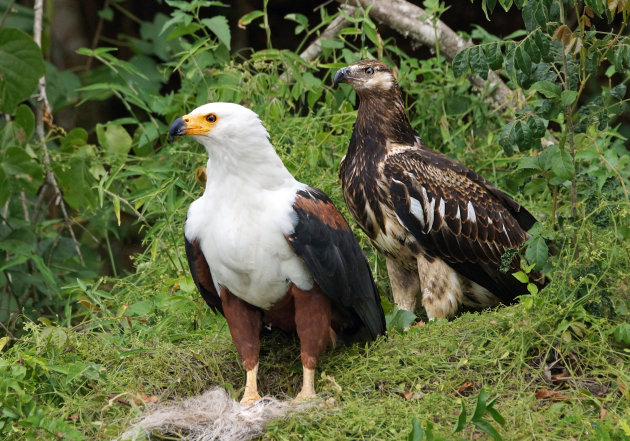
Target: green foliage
21, 66
555, 64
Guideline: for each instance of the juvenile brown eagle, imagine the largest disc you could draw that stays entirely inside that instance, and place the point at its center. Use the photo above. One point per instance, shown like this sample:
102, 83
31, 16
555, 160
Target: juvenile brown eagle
442, 227
264, 248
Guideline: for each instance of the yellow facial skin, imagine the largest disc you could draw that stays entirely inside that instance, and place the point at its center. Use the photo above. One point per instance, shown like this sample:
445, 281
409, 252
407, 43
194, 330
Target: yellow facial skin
199, 124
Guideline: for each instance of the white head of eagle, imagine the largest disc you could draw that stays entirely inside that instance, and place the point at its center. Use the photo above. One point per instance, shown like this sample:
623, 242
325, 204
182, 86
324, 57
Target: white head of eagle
263, 248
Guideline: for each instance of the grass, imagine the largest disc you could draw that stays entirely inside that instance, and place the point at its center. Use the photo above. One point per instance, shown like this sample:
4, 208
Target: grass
512, 352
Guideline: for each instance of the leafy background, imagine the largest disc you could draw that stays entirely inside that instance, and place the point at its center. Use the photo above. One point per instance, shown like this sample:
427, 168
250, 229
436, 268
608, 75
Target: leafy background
88, 339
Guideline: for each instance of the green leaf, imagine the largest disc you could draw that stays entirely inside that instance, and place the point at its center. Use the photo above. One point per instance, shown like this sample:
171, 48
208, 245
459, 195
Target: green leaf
416, 434
488, 428
532, 49
537, 252
618, 92
142, 307
537, 126
219, 26
521, 276
461, 419
480, 408
25, 119
55, 336
533, 289
249, 17
494, 56
568, 97
115, 140
622, 333
506, 4
547, 88
488, 6
460, 63
495, 413
399, 319
561, 164
478, 62
21, 67
535, 14
18, 172
522, 60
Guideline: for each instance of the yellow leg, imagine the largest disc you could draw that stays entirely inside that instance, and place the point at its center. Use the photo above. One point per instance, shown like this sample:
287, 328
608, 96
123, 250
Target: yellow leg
308, 385
251, 388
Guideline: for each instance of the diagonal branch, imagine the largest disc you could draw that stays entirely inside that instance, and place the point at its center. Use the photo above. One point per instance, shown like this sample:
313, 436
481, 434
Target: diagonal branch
414, 22
42, 112
315, 48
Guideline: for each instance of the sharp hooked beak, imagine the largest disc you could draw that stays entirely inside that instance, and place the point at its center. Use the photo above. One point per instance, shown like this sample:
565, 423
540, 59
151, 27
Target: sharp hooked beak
178, 128
341, 76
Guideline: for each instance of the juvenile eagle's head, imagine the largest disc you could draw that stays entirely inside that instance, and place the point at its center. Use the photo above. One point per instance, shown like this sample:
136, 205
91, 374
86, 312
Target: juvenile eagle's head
381, 116
367, 77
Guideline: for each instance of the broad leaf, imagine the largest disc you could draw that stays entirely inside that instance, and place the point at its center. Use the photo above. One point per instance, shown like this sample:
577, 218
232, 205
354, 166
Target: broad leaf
18, 172
494, 56
547, 88
219, 26
399, 319
561, 164
21, 67
537, 252
115, 140
478, 62
460, 63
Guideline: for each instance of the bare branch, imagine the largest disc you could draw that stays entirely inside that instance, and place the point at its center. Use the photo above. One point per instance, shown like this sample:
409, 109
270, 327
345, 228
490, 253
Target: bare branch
315, 48
42, 113
414, 22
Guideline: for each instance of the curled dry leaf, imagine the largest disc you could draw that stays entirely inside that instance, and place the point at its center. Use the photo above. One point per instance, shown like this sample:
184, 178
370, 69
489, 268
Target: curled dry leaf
464, 387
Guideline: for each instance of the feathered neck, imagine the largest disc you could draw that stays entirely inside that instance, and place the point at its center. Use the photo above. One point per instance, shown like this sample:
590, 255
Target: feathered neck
249, 159
381, 120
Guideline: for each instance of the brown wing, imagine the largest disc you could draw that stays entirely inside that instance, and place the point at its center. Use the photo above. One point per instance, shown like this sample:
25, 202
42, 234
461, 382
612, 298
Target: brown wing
458, 216
201, 275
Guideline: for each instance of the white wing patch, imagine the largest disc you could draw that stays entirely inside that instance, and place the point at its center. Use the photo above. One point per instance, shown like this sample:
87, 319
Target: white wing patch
431, 213
471, 212
416, 209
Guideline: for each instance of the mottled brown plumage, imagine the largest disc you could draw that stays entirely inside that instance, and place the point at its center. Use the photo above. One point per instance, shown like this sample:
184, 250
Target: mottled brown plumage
442, 227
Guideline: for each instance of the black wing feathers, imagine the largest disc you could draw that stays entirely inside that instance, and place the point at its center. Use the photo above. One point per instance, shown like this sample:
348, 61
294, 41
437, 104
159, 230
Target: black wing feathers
328, 248
201, 275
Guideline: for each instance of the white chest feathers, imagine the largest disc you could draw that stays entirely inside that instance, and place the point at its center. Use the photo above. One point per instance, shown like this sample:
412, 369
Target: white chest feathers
241, 231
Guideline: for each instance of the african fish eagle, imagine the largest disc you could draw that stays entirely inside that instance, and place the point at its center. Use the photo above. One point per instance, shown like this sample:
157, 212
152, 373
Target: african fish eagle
264, 248
441, 226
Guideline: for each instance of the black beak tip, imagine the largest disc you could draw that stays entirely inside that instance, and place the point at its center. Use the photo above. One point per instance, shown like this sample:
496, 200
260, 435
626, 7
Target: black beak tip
177, 128
340, 76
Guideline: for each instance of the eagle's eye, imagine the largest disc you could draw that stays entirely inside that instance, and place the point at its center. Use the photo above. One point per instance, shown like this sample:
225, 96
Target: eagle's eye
211, 117
369, 70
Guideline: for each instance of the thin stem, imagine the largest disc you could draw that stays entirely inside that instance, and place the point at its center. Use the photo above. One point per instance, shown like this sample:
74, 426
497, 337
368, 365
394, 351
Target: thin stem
127, 203
42, 113
6, 13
